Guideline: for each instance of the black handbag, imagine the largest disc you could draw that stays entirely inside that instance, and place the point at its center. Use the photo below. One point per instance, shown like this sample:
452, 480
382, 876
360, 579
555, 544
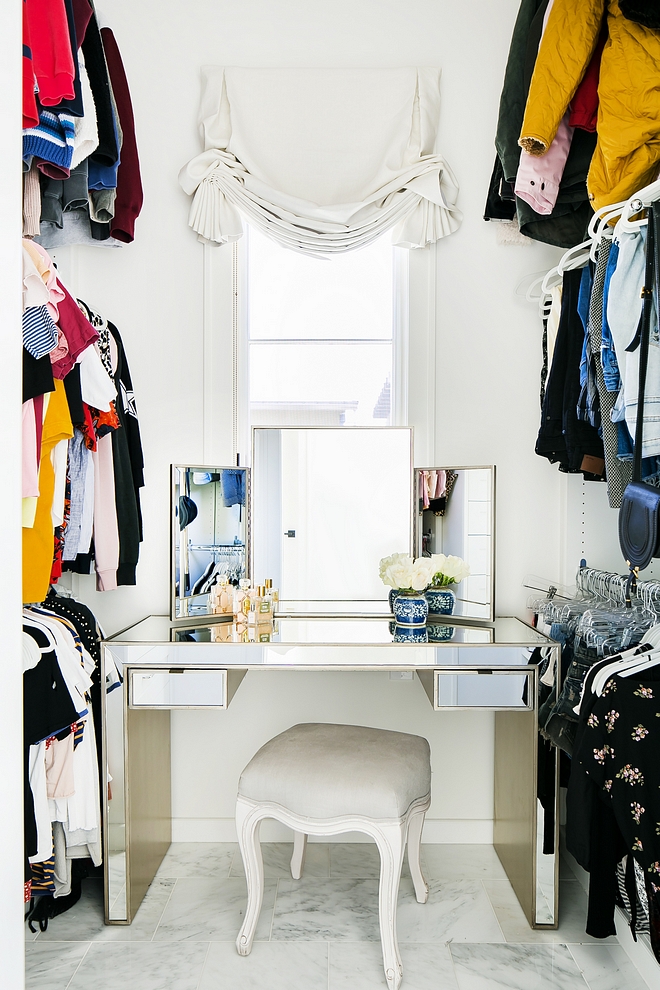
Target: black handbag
639, 516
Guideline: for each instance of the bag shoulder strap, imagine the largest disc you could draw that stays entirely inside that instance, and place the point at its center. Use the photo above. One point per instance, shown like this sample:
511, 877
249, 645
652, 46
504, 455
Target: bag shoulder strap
645, 321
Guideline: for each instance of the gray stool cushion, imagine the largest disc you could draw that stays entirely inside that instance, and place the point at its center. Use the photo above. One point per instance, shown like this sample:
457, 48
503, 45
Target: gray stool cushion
321, 770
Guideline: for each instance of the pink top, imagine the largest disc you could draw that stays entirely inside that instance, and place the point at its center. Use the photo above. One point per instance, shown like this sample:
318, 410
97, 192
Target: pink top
539, 176
56, 294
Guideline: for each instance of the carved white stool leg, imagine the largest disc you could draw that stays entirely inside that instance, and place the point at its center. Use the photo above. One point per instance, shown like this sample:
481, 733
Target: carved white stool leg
391, 841
248, 822
298, 858
415, 825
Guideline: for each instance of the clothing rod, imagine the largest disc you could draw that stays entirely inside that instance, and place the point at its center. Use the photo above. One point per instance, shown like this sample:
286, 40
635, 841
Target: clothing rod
227, 547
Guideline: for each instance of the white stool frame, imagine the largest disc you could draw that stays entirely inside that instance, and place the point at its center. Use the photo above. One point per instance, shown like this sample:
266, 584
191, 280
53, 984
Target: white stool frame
389, 834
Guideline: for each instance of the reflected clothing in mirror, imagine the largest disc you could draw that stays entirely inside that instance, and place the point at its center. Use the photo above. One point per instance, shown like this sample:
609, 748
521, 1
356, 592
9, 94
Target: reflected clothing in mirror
209, 534
454, 516
233, 487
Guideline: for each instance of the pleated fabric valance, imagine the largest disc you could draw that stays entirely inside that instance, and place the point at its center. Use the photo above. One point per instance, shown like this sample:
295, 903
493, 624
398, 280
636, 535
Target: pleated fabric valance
324, 160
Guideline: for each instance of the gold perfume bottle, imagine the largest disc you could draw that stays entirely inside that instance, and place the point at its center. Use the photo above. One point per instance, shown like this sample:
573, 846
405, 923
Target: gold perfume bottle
272, 592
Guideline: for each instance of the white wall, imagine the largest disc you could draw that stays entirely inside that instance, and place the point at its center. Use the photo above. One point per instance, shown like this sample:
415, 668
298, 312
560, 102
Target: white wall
484, 356
11, 708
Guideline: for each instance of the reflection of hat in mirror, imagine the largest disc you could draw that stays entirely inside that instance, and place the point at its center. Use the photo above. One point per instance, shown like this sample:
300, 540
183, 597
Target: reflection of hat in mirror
187, 511
201, 477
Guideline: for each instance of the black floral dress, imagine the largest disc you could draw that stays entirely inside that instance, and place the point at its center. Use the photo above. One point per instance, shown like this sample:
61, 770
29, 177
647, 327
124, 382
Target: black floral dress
620, 751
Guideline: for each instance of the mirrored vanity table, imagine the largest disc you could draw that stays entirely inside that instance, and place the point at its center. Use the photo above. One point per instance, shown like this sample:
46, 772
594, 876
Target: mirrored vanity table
315, 513
166, 667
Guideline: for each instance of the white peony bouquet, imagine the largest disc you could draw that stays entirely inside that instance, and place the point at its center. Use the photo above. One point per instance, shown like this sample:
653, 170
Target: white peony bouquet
447, 570
400, 571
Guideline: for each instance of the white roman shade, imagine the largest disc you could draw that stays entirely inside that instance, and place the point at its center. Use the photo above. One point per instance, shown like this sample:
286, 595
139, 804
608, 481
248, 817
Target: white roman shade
324, 160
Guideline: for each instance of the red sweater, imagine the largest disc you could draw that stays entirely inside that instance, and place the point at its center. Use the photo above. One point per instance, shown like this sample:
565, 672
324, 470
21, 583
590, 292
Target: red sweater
52, 57
30, 113
129, 184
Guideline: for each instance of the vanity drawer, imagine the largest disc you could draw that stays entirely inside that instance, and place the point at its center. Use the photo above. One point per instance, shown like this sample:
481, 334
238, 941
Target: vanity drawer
490, 689
178, 687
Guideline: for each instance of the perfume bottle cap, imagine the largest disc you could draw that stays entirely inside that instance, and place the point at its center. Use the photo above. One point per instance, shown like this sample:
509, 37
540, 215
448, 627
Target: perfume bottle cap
244, 583
269, 583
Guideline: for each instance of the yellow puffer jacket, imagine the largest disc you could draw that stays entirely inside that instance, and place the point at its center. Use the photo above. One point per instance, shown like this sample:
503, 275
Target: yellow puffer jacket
627, 154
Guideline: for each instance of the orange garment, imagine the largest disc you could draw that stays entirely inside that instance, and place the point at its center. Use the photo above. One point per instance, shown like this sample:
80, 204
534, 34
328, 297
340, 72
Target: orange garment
627, 153
38, 542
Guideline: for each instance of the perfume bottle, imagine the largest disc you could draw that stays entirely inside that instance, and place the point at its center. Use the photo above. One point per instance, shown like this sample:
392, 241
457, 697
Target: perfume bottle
240, 595
221, 599
264, 604
272, 592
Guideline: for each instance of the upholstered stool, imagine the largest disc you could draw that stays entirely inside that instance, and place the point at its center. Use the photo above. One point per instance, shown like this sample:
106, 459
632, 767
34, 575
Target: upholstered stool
322, 779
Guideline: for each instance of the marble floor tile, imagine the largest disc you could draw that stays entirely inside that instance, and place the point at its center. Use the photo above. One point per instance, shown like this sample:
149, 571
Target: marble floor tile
516, 967
318, 910
198, 859
277, 860
607, 967
456, 909
572, 915
359, 860
141, 967
270, 966
208, 909
50, 965
84, 922
359, 966
461, 862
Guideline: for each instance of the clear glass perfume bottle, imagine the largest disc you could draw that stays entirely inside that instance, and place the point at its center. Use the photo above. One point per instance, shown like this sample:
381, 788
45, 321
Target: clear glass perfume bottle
240, 595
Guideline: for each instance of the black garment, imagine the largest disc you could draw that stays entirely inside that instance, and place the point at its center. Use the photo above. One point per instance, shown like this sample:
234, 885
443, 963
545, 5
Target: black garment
37, 376
614, 791
501, 200
84, 621
47, 709
82, 564
107, 152
644, 12
73, 107
516, 87
47, 704
73, 390
562, 436
129, 467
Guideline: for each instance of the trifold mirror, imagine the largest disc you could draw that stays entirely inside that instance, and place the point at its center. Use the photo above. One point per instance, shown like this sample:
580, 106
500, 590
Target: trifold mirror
210, 534
319, 509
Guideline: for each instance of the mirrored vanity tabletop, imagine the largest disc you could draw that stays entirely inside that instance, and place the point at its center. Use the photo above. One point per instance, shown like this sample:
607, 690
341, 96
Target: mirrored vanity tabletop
331, 641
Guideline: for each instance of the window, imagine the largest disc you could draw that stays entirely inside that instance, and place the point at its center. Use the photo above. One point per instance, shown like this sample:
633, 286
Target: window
322, 335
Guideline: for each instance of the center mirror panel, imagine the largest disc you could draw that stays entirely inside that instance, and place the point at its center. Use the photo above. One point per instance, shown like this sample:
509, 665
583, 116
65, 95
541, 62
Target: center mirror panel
328, 504
210, 534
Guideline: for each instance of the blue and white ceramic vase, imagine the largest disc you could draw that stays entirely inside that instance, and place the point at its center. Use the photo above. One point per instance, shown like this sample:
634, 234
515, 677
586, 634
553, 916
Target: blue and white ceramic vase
410, 608
394, 593
410, 634
441, 601
439, 632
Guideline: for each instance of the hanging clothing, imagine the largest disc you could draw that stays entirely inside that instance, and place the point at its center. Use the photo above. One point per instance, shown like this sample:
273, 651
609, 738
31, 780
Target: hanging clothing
129, 183
50, 45
38, 540
627, 153
562, 437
